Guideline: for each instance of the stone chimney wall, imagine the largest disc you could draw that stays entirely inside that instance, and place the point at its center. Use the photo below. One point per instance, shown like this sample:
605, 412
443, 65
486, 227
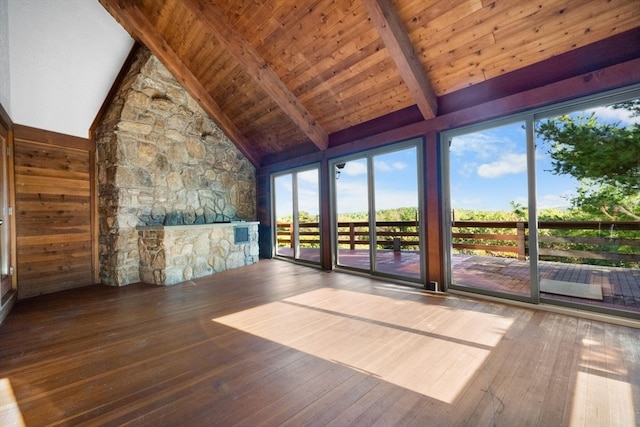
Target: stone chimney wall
162, 161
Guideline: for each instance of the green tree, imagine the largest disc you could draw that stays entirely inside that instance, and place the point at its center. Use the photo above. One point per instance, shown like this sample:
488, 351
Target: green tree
520, 212
605, 158
608, 200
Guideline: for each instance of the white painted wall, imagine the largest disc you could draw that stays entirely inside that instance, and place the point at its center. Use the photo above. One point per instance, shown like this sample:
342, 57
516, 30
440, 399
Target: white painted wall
5, 94
63, 58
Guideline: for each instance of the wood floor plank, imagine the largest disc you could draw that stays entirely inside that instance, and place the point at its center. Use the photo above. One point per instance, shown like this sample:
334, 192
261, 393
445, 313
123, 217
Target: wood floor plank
341, 398
282, 344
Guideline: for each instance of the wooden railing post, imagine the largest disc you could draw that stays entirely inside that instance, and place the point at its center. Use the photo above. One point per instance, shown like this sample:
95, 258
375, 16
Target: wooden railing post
522, 247
352, 236
291, 240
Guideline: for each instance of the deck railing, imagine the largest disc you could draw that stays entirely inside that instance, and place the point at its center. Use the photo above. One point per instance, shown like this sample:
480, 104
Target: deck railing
354, 234
611, 241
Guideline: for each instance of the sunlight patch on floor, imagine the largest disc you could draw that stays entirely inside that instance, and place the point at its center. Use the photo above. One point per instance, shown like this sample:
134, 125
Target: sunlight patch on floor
602, 401
601, 397
430, 349
10, 414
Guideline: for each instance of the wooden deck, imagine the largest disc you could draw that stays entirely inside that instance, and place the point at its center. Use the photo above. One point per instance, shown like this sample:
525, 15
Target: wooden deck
620, 286
277, 343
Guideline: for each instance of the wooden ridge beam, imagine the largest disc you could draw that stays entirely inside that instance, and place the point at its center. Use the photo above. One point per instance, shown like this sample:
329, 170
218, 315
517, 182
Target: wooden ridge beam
385, 18
127, 13
258, 69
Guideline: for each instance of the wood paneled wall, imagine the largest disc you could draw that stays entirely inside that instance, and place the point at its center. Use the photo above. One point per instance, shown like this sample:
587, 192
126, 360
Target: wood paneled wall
54, 191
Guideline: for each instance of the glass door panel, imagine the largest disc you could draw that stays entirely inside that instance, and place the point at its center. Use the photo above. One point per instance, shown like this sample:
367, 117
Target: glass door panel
488, 191
308, 198
352, 213
377, 212
297, 214
283, 205
397, 220
589, 205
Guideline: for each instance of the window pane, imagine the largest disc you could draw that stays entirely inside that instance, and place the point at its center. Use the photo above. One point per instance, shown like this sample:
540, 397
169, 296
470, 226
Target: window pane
489, 199
283, 195
309, 215
589, 206
352, 207
396, 203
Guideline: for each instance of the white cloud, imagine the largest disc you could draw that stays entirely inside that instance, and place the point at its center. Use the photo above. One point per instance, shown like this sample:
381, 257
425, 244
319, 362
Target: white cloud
283, 184
467, 169
308, 177
383, 166
509, 163
483, 145
612, 115
399, 166
355, 168
559, 201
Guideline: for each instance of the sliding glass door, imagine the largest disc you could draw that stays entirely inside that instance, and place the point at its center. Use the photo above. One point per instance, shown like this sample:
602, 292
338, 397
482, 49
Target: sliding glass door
488, 212
545, 206
589, 229
377, 215
353, 213
397, 220
297, 212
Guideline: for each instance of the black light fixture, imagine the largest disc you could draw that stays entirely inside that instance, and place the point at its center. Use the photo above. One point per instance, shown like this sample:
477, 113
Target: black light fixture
339, 167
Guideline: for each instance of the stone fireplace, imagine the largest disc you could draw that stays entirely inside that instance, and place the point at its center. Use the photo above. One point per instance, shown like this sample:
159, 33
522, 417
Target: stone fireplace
163, 162
177, 253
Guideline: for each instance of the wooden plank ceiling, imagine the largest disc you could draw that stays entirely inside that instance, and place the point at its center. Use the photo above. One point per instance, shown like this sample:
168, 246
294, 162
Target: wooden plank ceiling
282, 76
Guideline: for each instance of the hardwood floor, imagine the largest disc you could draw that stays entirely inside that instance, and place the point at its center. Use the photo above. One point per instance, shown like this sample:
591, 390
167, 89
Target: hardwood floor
281, 344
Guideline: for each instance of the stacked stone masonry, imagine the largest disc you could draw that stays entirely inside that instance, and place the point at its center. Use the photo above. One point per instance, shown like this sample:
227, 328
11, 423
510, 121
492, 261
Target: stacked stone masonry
170, 255
162, 161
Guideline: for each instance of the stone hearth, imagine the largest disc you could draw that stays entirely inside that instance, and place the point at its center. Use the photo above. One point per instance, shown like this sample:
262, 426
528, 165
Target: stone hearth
174, 254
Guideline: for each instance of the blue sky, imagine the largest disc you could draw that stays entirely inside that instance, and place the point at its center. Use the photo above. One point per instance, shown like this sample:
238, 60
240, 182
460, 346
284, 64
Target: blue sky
488, 168
488, 171
396, 185
396, 182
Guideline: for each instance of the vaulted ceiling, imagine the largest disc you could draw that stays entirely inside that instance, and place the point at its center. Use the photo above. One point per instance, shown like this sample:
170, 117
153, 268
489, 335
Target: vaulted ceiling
289, 76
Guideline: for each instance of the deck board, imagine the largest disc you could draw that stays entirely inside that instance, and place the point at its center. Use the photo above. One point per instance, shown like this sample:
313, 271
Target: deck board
277, 343
620, 286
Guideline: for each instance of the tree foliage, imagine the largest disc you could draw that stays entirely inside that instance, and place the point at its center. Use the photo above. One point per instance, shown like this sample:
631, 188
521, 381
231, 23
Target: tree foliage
608, 200
604, 157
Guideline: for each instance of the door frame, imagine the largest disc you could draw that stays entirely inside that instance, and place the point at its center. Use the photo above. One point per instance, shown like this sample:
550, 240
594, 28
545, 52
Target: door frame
295, 211
368, 156
445, 143
6, 134
529, 117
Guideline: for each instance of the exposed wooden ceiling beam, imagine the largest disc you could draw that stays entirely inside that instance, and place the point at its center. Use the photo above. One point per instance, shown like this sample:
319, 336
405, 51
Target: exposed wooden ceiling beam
137, 24
394, 35
258, 69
